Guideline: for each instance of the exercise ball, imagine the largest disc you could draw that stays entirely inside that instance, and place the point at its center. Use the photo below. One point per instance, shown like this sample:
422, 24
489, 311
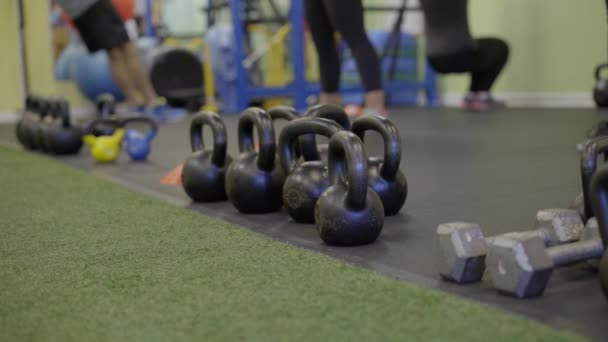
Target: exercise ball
66, 62
93, 77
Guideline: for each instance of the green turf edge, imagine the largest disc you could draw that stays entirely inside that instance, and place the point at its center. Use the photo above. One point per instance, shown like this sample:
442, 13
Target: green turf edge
76, 263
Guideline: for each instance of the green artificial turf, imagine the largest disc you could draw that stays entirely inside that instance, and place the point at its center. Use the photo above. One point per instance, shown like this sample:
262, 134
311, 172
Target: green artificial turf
82, 259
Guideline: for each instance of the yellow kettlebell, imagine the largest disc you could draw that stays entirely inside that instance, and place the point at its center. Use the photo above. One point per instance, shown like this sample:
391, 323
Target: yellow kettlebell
105, 148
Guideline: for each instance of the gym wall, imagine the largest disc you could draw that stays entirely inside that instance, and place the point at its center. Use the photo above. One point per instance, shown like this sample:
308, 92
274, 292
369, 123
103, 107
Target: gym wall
555, 47
10, 60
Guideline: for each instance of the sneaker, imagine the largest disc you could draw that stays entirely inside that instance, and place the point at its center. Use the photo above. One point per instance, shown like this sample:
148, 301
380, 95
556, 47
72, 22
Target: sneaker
367, 111
481, 102
353, 111
164, 113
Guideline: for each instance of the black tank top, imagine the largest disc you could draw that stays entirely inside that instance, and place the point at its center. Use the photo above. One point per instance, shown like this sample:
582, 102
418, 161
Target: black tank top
446, 27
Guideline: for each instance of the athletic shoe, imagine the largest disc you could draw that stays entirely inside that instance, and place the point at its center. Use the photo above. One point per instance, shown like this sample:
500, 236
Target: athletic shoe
353, 111
481, 103
164, 113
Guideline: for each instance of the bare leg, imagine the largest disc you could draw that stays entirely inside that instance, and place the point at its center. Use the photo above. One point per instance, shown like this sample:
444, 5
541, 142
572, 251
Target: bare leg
330, 98
374, 100
138, 74
120, 74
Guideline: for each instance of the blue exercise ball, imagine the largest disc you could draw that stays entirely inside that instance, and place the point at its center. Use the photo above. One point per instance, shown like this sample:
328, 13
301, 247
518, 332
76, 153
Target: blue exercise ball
93, 77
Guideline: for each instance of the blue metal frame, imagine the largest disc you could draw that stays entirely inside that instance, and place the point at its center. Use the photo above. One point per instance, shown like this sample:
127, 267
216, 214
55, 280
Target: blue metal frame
299, 89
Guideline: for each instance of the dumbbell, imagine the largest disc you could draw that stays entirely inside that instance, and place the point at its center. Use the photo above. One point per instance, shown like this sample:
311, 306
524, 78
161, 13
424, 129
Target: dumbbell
460, 247
521, 265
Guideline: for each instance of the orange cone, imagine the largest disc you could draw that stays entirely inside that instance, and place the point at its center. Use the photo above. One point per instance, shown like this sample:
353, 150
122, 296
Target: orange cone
174, 177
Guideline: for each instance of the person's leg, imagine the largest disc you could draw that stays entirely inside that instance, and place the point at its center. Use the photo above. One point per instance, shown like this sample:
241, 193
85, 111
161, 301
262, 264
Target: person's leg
322, 33
489, 60
120, 74
138, 73
347, 17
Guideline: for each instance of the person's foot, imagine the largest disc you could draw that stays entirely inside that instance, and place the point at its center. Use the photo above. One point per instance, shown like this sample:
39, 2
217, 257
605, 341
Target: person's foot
481, 102
164, 113
353, 111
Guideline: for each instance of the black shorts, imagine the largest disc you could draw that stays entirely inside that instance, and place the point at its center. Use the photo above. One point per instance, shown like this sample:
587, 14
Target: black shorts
101, 27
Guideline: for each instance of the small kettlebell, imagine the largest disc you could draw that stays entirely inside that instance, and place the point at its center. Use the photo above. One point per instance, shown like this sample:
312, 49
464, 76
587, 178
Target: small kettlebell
307, 180
48, 113
138, 144
349, 212
24, 127
254, 181
384, 176
599, 201
600, 91
330, 112
592, 150
105, 149
62, 137
106, 108
204, 172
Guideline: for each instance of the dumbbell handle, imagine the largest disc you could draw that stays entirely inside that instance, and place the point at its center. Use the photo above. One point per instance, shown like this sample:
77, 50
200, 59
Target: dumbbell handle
576, 251
541, 233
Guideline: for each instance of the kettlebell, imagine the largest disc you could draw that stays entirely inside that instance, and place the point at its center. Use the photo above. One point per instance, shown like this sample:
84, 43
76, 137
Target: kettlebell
286, 113
592, 149
106, 108
254, 181
24, 125
46, 115
600, 92
384, 176
599, 201
138, 144
349, 212
330, 112
306, 180
105, 149
204, 172
62, 137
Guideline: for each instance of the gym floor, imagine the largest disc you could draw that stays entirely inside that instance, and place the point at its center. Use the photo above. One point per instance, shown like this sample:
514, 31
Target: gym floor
496, 169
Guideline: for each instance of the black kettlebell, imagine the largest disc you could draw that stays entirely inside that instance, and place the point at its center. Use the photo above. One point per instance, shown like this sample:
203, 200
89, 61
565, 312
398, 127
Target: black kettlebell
599, 201
105, 105
24, 125
106, 108
384, 176
349, 212
283, 113
592, 149
204, 172
62, 137
330, 112
46, 113
306, 180
600, 92
254, 181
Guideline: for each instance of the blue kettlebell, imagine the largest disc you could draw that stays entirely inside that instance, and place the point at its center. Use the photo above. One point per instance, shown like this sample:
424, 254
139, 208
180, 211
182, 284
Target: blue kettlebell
137, 143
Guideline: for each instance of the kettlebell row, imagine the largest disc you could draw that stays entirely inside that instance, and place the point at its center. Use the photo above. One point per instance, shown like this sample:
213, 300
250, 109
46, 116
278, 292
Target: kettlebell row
46, 126
346, 196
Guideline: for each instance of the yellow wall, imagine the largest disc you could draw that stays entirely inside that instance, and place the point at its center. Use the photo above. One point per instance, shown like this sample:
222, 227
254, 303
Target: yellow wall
10, 67
40, 55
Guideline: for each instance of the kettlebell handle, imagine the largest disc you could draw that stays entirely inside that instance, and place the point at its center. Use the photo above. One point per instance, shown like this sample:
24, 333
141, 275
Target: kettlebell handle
599, 201
347, 165
103, 121
220, 140
331, 112
258, 118
141, 119
391, 138
284, 113
598, 71
308, 126
588, 164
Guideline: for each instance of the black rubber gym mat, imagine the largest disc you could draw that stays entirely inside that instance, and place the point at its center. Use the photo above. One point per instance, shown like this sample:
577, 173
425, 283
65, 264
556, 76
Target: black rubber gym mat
496, 169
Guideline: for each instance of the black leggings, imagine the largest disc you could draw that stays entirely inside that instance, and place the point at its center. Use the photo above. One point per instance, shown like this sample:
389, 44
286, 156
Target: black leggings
325, 17
484, 63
